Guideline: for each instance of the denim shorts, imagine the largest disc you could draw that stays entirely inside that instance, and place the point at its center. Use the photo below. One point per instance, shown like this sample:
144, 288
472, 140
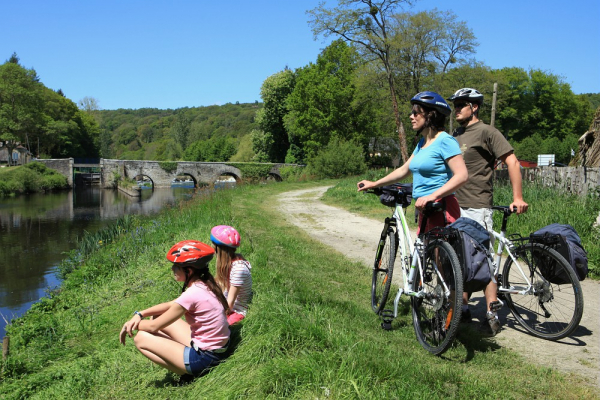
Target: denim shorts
199, 361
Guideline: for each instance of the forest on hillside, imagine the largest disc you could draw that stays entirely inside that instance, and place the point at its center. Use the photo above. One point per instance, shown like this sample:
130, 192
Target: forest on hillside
354, 97
213, 133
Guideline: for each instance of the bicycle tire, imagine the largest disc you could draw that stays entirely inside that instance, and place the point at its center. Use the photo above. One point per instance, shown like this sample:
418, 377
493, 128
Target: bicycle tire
435, 316
555, 309
383, 270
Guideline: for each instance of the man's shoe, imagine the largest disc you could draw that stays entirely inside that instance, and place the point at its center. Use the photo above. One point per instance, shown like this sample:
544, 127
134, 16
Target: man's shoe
491, 326
465, 317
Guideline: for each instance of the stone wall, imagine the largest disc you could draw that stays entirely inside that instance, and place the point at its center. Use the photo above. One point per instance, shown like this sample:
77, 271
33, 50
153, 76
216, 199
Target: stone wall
62, 165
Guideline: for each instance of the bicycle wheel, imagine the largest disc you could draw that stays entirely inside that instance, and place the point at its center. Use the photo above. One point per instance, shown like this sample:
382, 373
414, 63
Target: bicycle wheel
554, 310
383, 270
436, 316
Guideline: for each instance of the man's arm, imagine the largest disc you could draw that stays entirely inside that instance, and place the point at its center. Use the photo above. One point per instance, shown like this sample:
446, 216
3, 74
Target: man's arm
514, 173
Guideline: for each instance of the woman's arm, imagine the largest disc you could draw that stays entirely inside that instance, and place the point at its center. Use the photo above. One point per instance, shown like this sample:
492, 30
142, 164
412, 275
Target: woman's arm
395, 176
460, 176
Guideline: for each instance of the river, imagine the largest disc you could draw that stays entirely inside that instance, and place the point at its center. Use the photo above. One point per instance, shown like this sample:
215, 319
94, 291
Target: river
37, 230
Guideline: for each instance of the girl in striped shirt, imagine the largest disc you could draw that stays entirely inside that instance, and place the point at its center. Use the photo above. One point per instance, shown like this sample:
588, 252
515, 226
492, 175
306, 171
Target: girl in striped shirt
233, 271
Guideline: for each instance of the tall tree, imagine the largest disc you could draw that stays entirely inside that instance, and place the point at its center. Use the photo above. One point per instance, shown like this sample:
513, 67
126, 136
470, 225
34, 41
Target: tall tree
323, 104
365, 23
271, 139
423, 47
20, 104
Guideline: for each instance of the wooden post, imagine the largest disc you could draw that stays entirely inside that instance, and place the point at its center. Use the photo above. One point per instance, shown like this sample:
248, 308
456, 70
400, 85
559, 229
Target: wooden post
494, 105
5, 342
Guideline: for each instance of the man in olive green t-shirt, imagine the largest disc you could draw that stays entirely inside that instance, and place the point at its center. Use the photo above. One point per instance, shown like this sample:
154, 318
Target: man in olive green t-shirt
481, 146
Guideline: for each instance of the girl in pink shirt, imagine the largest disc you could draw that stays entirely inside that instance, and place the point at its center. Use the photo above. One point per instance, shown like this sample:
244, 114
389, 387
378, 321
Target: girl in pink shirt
198, 343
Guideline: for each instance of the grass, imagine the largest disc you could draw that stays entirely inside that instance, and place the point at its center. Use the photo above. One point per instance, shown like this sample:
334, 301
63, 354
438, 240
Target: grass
33, 177
310, 332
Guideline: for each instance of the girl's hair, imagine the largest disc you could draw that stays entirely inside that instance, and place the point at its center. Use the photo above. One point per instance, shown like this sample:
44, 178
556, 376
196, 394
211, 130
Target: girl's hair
225, 255
433, 118
204, 275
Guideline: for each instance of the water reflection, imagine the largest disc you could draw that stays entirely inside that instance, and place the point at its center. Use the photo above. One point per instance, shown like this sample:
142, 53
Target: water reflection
37, 230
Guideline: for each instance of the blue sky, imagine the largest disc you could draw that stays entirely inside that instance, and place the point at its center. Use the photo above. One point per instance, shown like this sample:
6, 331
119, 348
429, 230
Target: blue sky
186, 53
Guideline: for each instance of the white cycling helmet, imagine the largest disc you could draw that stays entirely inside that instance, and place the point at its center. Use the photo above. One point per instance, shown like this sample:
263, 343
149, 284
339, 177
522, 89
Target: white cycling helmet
469, 94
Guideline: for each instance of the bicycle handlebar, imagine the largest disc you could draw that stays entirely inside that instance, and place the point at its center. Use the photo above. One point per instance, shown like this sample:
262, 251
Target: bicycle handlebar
505, 209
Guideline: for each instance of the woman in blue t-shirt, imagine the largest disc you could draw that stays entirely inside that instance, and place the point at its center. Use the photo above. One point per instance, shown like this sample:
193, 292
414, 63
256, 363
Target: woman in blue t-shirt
436, 163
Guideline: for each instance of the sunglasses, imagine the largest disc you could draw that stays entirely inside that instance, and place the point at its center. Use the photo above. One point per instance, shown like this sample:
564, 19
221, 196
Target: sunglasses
415, 113
460, 106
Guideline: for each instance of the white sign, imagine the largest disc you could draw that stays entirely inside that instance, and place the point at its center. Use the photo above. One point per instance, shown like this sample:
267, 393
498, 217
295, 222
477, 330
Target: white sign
545, 159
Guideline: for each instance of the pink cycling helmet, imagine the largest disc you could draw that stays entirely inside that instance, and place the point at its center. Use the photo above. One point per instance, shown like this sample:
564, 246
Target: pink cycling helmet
225, 235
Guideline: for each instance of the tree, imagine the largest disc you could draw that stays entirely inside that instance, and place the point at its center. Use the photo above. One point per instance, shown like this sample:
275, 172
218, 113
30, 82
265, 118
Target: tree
89, 104
181, 129
20, 104
424, 45
365, 23
539, 102
272, 141
322, 105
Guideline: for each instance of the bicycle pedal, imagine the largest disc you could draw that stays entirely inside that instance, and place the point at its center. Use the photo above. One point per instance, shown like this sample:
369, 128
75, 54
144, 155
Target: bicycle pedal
496, 305
388, 317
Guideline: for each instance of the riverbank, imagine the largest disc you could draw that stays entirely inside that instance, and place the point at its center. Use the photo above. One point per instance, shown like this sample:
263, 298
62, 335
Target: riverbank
310, 331
30, 178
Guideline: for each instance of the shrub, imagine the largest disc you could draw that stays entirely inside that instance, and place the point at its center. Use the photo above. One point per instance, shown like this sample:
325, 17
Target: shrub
38, 167
291, 173
338, 159
168, 166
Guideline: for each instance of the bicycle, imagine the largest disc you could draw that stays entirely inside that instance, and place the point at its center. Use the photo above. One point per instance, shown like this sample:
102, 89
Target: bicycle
432, 275
541, 289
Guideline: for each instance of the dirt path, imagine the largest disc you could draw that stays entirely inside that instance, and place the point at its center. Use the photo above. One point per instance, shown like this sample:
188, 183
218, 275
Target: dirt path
356, 237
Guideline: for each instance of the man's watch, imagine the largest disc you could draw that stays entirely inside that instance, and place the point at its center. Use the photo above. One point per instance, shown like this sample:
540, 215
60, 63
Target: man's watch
138, 313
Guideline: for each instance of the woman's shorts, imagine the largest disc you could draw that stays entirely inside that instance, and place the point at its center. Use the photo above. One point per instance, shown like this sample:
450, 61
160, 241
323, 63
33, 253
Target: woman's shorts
199, 361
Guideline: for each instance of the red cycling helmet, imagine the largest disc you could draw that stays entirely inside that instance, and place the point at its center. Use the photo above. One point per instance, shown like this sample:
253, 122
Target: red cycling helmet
225, 235
192, 253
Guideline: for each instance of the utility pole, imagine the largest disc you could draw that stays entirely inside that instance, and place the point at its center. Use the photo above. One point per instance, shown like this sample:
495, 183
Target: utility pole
494, 105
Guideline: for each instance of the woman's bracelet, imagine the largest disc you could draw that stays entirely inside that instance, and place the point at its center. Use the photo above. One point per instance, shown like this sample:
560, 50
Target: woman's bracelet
138, 313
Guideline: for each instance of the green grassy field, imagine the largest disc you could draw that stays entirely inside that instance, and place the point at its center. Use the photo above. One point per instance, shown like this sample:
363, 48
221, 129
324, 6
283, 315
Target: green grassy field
310, 332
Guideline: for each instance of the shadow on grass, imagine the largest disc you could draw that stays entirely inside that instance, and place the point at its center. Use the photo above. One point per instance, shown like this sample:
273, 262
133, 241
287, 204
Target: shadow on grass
172, 379
474, 342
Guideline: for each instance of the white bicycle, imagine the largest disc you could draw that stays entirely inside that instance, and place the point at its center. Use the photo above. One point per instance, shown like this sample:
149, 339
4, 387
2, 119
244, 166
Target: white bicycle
540, 288
432, 276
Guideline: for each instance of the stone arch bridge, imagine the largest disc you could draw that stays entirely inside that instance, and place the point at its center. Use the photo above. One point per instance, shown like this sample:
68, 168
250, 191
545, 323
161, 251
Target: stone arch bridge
162, 173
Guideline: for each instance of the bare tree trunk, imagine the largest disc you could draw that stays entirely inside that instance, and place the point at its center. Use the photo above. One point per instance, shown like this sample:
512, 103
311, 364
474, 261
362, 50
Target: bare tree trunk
399, 126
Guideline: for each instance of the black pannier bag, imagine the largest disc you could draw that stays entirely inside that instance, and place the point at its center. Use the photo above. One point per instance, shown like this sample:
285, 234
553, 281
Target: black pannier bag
471, 244
564, 239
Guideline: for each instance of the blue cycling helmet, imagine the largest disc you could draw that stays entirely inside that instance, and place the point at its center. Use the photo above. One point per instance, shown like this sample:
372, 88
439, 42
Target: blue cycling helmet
432, 100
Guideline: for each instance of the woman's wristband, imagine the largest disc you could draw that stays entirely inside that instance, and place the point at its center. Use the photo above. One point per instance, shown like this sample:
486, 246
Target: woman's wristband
138, 313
